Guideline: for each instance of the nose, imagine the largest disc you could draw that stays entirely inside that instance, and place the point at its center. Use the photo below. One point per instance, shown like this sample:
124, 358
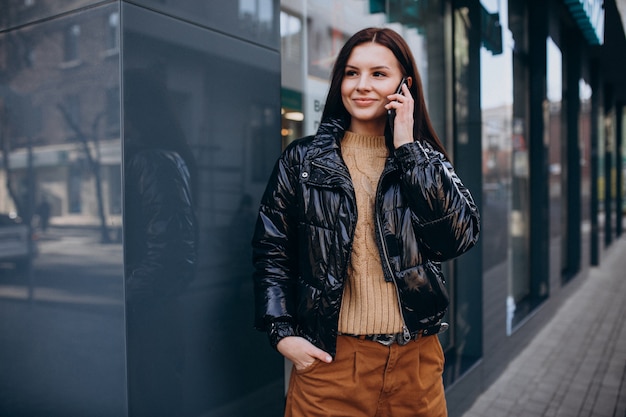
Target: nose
363, 83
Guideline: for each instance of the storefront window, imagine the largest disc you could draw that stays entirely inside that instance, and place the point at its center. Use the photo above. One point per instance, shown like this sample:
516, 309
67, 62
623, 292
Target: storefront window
497, 100
313, 31
553, 125
584, 127
497, 151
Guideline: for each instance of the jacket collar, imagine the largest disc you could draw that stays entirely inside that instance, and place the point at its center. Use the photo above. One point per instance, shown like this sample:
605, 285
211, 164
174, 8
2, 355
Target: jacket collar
323, 157
329, 134
325, 149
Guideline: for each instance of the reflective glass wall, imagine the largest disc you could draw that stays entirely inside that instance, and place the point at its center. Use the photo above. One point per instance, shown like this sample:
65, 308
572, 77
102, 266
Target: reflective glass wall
584, 119
499, 146
528, 275
61, 257
554, 133
463, 109
136, 140
201, 134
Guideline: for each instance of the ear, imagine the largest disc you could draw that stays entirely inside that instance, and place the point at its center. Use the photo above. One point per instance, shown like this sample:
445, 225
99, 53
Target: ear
409, 81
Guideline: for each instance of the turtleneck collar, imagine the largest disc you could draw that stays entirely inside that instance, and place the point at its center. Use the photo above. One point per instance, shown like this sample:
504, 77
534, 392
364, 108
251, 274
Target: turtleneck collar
370, 143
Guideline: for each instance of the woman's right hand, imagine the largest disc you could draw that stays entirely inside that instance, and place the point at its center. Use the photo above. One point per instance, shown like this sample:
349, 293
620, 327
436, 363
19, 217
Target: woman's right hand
301, 352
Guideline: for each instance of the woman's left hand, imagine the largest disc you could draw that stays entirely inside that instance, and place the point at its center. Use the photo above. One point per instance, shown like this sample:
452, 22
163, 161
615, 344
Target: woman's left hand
403, 122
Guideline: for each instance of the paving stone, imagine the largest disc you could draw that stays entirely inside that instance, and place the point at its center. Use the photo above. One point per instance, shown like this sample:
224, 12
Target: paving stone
576, 365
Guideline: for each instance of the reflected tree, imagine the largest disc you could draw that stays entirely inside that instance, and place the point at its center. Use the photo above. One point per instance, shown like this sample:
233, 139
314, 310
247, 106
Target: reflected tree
93, 161
14, 108
9, 111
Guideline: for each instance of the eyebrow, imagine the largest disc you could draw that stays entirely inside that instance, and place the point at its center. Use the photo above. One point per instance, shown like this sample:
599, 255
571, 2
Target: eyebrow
372, 68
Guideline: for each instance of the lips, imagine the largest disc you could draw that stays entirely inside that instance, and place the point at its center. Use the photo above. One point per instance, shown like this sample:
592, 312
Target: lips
364, 101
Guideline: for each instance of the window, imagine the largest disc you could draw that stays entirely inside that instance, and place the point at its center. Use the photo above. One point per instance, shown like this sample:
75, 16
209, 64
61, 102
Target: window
113, 32
70, 43
74, 184
112, 112
72, 114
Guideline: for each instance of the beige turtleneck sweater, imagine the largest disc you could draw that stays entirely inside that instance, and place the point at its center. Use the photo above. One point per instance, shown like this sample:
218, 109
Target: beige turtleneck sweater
370, 304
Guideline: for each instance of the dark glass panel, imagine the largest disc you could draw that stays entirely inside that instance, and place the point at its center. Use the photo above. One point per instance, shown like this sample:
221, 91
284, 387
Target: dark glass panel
16, 13
253, 20
554, 132
201, 134
61, 274
585, 152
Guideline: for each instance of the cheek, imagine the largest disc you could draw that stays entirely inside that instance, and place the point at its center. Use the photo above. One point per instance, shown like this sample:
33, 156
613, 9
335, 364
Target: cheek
345, 89
345, 94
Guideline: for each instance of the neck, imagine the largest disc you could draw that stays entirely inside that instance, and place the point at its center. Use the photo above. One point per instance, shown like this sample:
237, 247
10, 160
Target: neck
368, 128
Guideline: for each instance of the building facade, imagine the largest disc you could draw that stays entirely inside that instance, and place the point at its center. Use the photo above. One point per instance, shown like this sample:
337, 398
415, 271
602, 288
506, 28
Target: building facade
527, 96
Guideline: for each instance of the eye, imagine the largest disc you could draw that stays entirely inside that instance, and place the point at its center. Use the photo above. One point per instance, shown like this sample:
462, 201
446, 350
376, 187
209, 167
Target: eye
379, 74
350, 73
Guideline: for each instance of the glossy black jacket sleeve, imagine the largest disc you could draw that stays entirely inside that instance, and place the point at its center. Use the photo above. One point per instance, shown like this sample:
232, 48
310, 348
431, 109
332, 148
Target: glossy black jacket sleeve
274, 247
446, 218
161, 234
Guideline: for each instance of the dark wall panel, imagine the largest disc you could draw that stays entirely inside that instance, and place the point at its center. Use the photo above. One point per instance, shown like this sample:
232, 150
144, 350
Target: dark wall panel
253, 20
201, 134
17, 13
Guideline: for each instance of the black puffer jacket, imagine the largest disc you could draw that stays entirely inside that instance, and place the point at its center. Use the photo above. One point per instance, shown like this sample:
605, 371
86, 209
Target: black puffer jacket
160, 234
303, 237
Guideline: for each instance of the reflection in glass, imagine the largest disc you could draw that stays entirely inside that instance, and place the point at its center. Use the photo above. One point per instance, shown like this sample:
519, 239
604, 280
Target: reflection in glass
253, 20
70, 43
554, 126
19, 13
201, 135
497, 139
585, 153
61, 287
292, 76
160, 242
113, 32
519, 221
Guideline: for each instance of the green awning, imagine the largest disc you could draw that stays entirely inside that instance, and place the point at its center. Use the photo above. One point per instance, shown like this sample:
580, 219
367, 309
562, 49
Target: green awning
589, 16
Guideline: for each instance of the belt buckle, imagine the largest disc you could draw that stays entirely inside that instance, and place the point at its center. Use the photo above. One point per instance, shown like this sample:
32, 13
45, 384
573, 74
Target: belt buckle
386, 340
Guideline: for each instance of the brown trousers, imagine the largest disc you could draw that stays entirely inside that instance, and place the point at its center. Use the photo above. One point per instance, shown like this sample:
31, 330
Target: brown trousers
367, 379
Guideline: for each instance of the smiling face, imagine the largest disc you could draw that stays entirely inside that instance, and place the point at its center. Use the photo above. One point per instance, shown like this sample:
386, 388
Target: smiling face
371, 74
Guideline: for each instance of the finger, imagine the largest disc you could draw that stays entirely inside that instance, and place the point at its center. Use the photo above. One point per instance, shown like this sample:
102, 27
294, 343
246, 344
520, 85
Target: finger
321, 355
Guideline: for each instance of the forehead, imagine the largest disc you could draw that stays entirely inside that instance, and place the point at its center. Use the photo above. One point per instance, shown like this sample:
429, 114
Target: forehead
372, 54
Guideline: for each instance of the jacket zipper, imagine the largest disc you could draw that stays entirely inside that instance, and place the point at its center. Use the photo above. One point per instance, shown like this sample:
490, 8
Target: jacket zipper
406, 335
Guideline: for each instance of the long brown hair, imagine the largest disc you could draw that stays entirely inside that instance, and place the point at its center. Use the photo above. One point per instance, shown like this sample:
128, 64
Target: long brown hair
422, 128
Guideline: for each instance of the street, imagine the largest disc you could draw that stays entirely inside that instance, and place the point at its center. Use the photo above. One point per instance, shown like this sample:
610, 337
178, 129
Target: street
71, 306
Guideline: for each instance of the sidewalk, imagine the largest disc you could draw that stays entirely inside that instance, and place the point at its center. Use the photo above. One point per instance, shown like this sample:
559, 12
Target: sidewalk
576, 365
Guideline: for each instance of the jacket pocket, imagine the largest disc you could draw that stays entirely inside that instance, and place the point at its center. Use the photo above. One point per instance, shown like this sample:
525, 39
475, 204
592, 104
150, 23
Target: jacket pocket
423, 293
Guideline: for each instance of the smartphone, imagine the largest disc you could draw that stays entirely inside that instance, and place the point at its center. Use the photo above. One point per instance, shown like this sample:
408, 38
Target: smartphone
391, 113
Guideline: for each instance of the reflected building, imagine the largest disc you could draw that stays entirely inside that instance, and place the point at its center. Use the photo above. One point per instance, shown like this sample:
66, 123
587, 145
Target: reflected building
134, 148
136, 138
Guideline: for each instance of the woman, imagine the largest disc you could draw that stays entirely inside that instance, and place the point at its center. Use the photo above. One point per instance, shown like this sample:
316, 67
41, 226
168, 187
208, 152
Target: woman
351, 231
